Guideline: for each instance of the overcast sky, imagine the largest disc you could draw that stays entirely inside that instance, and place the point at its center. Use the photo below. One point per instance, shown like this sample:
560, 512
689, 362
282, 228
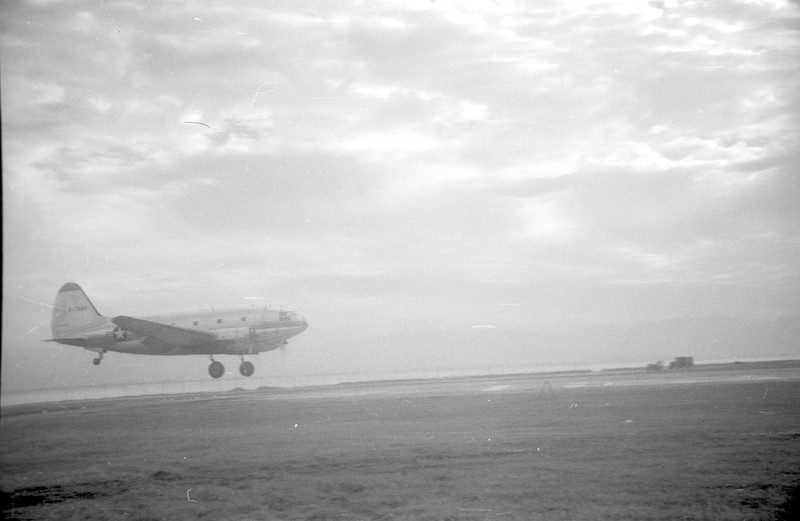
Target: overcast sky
402, 172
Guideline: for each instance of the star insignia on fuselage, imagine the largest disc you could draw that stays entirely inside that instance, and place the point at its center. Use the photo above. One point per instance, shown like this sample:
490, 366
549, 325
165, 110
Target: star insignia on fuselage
119, 334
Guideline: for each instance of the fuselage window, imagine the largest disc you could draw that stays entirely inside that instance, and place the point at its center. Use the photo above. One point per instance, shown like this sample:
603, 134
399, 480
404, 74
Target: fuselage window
244, 319
194, 323
219, 321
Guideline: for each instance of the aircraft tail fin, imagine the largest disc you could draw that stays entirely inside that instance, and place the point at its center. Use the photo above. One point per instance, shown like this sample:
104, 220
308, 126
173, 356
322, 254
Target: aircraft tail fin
73, 312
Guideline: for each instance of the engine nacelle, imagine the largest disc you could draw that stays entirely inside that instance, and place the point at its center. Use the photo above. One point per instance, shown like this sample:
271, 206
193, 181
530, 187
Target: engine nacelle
233, 333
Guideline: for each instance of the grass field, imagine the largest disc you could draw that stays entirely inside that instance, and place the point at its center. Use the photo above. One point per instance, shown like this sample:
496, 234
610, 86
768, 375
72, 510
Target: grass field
510, 449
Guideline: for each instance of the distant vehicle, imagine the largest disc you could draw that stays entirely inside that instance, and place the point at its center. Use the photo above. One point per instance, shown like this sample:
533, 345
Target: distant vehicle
682, 362
654, 368
244, 331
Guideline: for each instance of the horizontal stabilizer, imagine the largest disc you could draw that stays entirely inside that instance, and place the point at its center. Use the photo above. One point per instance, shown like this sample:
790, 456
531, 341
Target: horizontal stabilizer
173, 335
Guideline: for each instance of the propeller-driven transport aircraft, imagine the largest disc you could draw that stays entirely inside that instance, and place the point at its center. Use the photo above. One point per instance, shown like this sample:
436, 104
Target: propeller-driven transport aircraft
244, 331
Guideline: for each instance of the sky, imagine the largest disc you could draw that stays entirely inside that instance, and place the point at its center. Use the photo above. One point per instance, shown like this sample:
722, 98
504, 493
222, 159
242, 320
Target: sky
435, 185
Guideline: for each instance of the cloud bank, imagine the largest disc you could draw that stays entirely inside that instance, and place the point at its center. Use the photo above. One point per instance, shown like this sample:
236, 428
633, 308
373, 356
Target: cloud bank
394, 169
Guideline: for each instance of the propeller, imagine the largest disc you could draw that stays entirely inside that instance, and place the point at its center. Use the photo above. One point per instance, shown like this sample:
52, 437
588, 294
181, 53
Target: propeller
252, 336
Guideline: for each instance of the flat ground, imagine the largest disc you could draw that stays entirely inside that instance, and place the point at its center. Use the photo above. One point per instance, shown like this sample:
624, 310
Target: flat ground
711, 443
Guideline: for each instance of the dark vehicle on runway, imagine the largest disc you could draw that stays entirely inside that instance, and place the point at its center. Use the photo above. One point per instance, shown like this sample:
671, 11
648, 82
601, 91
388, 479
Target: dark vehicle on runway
681, 363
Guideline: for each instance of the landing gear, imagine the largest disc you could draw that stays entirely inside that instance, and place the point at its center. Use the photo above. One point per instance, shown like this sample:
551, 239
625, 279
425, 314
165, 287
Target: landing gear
99, 358
216, 369
247, 368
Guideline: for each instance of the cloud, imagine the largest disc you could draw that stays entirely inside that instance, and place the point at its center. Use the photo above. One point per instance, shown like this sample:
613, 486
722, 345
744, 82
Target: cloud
598, 162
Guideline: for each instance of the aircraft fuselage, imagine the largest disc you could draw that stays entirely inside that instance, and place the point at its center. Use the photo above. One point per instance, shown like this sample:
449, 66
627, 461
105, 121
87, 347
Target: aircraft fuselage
242, 331
237, 332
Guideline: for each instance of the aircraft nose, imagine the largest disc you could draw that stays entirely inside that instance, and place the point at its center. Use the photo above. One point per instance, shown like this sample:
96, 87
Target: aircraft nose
303, 322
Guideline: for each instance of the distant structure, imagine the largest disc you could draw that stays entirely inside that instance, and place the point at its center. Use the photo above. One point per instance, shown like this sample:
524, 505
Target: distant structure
682, 362
656, 367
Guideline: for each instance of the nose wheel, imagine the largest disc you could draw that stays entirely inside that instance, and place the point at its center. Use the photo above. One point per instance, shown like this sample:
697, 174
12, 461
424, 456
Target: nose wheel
99, 358
247, 368
216, 369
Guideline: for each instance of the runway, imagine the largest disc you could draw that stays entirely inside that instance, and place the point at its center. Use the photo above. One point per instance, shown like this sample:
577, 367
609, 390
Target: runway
530, 383
595, 445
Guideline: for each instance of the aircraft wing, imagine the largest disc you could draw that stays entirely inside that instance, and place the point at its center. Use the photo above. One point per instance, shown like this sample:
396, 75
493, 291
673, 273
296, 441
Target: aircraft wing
173, 335
73, 341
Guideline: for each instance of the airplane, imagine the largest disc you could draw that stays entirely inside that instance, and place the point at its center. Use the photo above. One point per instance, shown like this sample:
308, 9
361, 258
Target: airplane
243, 331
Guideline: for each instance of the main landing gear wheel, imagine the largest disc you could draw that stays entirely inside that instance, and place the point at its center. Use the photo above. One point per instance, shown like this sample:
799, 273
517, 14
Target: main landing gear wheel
99, 358
96, 361
247, 368
216, 369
